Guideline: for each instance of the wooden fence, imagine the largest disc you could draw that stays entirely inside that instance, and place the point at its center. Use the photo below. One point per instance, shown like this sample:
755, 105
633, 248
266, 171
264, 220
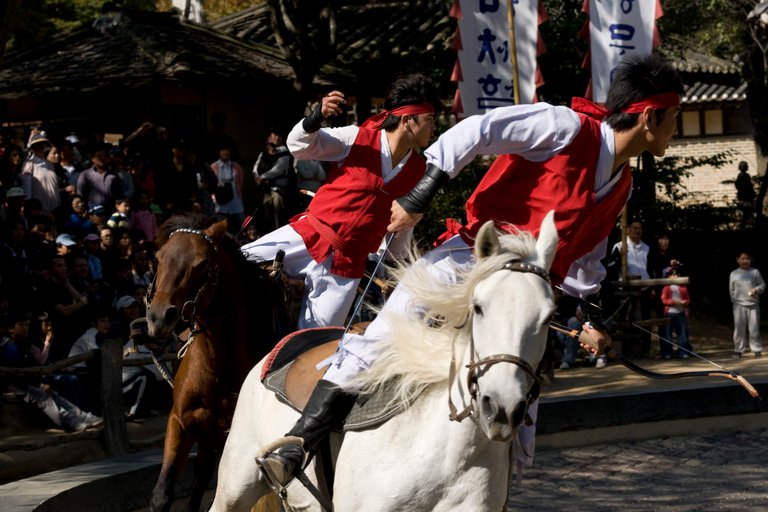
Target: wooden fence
115, 433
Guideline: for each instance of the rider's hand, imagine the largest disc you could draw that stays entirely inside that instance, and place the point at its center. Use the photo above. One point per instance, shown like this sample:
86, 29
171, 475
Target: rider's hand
594, 340
401, 220
331, 104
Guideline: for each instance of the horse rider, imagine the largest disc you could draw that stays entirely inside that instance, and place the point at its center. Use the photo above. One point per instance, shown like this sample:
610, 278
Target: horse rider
571, 160
328, 245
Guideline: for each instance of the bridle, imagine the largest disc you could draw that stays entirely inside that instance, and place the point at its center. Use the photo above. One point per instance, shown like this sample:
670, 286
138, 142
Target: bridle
482, 364
189, 308
188, 312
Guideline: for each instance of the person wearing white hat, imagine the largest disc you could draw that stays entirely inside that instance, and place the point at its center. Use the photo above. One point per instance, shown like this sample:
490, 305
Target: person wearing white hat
65, 244
38, 179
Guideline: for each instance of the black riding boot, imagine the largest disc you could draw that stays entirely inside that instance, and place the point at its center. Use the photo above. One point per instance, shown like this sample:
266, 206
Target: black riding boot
326, 408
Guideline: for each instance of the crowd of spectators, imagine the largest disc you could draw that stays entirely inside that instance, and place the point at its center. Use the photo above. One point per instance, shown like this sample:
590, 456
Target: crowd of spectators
78, 221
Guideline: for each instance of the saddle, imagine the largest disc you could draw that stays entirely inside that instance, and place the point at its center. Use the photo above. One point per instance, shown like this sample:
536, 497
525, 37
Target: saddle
290, 372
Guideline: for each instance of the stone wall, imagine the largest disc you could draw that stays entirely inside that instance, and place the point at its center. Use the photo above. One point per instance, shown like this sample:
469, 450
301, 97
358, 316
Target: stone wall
706, 183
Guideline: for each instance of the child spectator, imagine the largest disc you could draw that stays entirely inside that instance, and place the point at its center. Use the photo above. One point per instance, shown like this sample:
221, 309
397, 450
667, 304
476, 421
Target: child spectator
143, 218
675, 299
745, 286
119, 220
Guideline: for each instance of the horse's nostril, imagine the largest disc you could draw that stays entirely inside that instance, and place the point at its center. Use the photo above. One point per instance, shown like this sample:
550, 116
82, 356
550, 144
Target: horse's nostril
519, 414
170, 315
492, 411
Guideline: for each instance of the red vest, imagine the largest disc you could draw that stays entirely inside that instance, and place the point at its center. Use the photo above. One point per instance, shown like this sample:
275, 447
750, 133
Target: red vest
520, 192
350, 212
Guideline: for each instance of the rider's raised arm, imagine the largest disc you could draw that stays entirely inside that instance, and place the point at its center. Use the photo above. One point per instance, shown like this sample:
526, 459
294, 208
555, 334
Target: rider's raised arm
535, 132
308, 140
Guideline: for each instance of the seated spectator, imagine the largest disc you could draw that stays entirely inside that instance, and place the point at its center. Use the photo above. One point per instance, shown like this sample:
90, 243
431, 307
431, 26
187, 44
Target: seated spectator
39, 344
142, 273
92, 244
128, 310
13, 206
141, 384
79, 223
14, 262
108, 253
93, 337
98, 216
65, 244
66, 305
40, 241
61, 411
90, 340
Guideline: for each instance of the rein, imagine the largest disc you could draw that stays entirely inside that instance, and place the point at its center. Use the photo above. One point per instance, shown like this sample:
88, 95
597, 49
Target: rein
484, 363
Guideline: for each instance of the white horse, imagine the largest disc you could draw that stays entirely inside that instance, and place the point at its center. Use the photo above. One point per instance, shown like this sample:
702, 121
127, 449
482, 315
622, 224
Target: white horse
476, 345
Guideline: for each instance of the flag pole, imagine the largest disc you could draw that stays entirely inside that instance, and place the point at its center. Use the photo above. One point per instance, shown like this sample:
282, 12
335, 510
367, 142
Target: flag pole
513, 50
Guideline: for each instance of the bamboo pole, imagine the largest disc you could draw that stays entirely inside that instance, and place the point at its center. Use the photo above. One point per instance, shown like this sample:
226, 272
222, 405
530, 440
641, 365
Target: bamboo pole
513, 51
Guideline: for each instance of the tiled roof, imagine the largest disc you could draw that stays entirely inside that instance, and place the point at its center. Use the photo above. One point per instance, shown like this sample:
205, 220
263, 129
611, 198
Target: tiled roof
694, 62
369, 34
133, 49
710, 79
700, 92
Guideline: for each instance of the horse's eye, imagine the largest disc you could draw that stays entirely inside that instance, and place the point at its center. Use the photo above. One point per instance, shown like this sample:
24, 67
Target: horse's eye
477, 309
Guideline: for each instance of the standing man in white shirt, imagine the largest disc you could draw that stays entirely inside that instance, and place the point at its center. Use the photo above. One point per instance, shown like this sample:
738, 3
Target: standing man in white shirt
637, 267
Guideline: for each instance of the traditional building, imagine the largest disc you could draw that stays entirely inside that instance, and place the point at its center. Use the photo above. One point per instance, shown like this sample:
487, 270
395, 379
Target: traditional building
714, 119
128, 67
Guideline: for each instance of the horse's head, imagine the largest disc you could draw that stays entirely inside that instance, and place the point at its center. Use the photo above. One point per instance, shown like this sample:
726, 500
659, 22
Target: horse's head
511, 308
187, 274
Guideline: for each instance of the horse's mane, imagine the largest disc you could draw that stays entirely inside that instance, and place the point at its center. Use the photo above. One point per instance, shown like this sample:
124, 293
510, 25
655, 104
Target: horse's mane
418, 354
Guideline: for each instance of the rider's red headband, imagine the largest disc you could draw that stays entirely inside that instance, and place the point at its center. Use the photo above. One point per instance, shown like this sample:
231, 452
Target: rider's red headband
657, 101
376, 121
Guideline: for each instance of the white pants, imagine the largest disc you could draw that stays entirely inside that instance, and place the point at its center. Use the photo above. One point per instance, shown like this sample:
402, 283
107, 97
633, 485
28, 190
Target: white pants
327, 297
357, 352
746, 318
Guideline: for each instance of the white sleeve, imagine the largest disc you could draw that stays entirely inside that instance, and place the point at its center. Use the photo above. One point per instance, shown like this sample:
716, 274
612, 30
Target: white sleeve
326, 144
586, 273
536, 132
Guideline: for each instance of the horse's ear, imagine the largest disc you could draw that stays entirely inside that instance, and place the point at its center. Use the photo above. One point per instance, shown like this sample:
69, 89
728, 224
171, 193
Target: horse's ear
547, 241
218, 230
487, 241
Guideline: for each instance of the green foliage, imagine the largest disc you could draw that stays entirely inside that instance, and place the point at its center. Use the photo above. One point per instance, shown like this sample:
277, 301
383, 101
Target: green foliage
675, 208
37, 20
561, 64
713, 27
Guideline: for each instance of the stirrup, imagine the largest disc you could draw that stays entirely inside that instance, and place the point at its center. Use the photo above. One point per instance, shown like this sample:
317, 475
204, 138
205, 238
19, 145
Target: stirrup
281, 489
265, 465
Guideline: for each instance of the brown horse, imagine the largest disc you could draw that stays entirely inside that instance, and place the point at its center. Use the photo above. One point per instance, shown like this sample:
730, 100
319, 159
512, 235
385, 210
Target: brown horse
236, 312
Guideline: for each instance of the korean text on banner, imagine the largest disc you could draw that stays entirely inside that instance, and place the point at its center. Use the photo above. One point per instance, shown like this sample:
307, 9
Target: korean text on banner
618, 29
485, 60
